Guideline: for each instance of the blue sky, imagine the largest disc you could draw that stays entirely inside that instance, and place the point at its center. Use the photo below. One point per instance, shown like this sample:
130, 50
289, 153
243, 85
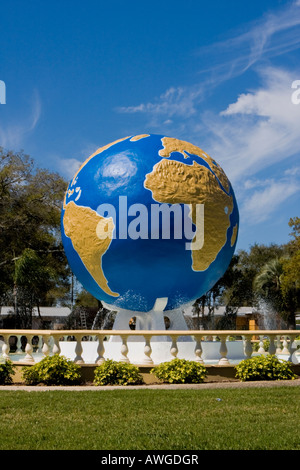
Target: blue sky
219, 74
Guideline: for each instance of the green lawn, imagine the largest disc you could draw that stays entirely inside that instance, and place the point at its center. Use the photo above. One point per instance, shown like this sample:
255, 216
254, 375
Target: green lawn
256, 418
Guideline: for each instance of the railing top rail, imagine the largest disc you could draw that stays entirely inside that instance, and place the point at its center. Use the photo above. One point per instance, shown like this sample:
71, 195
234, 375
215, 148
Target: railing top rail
37, 332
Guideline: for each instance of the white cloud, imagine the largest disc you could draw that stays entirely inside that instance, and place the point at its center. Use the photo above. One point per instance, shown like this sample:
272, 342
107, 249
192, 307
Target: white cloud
263, 203
273, 35
273, 100
295, 171
174, 102
259, 130
12, 135
255, 183
68, 166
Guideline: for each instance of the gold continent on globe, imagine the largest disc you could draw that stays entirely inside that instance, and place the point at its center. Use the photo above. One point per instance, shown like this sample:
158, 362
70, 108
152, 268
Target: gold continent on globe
174, 182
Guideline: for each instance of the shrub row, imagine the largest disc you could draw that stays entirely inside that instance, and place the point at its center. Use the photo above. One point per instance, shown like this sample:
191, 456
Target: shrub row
58, 370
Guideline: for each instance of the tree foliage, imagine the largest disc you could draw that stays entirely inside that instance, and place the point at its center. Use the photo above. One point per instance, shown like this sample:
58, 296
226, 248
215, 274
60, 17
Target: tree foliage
32, 263
271, 272
291, 265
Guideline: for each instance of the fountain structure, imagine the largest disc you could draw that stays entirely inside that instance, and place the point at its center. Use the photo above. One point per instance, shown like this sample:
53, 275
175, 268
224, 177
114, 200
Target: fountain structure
149, 224
270, 319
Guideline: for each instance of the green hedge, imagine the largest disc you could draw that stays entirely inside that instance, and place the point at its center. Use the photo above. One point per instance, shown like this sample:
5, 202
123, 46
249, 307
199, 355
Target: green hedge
6, 373
180, 371
117, 373
263, 367
52, 370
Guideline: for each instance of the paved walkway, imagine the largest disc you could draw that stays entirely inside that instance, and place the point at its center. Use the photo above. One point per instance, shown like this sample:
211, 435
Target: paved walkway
203, 386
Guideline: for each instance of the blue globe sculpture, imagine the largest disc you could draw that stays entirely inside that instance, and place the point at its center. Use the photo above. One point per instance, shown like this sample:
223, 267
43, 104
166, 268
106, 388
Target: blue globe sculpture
149, 217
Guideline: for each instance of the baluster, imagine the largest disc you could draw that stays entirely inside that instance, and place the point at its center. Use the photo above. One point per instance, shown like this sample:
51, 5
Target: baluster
223, 351
19, 344
261, 349
78, 350
40, 344
278, 342
248, 346
147, 350
174, 348
56, 347
29, 349
285, 349
45, 348
272, 347
5, 347
292, 347
198, 349
124, 349
100, 350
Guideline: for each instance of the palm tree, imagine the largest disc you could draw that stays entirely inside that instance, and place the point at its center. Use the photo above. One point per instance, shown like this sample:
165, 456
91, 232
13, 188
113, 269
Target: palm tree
268, 281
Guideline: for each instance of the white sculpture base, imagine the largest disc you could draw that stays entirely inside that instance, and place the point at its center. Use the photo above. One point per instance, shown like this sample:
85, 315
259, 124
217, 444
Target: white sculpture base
152, 320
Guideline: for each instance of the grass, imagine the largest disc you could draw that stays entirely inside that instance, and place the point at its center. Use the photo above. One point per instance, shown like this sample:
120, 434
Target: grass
233, 419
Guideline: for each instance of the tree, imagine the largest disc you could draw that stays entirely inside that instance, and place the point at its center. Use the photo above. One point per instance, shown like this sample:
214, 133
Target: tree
290, 280
291, 266
35, 279
268, 281
209, 300
222, 292
30, 207
235, 289
250, 264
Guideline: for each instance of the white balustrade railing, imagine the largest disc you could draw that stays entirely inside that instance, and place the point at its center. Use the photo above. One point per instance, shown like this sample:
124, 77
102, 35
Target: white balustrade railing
47, 342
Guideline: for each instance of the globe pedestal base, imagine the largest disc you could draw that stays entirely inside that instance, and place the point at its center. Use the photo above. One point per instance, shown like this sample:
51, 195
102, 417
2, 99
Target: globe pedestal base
155, 319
